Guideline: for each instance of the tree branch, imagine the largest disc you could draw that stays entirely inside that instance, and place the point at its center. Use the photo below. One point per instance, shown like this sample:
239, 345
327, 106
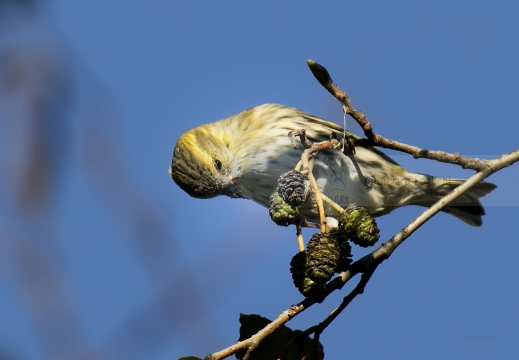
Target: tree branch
368, 264
373, 139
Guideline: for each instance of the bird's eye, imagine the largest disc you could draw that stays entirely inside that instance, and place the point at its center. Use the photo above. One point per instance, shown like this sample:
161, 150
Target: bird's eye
218, 164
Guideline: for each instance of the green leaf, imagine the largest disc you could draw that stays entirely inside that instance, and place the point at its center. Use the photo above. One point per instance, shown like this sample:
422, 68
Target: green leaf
284, 343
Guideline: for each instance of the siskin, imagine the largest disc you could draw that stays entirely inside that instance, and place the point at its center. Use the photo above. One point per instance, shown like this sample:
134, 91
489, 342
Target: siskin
242, 156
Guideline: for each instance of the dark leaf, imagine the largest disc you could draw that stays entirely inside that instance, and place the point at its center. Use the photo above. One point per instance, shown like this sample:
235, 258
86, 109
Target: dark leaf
284, 343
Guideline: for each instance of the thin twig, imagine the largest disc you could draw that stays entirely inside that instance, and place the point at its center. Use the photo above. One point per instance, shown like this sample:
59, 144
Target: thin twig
306, 168
332, 203
254, 340
318, 199
300, 241
358, 290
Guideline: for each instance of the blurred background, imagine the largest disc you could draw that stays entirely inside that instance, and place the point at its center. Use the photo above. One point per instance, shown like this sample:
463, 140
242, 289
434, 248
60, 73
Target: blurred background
102, 256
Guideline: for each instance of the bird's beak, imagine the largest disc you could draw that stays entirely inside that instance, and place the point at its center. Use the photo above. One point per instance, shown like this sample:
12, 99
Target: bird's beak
233, 189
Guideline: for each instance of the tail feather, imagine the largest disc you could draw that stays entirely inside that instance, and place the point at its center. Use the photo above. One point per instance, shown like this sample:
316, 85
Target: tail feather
466, 207
468, 214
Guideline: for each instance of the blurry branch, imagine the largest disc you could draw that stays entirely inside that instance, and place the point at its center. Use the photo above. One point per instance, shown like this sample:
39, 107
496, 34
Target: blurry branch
35, 86
367, 265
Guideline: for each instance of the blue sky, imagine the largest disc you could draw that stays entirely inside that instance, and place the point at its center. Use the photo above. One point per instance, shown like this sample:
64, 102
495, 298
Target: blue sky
141, 270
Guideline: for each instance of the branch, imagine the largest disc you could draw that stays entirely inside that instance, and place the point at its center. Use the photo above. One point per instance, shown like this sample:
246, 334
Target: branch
371, 261
252, 342
373, 139
368, 264
358, 290
306, 166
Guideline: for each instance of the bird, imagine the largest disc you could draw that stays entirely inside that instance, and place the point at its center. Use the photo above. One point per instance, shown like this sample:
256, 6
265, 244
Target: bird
242, 156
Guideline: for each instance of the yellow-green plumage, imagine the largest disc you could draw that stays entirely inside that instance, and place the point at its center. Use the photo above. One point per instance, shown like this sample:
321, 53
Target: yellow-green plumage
242, 156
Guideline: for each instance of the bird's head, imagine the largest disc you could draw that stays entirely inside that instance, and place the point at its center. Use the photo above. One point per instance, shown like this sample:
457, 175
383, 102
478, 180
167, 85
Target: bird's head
203, 165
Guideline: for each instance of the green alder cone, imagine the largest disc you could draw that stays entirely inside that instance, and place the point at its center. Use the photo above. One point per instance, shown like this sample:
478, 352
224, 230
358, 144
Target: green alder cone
282, 213
345, 249
298, 267
323, 257
360, 227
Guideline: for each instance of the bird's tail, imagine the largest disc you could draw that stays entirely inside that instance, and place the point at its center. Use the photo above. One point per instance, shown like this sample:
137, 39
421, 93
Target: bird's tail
466, 207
